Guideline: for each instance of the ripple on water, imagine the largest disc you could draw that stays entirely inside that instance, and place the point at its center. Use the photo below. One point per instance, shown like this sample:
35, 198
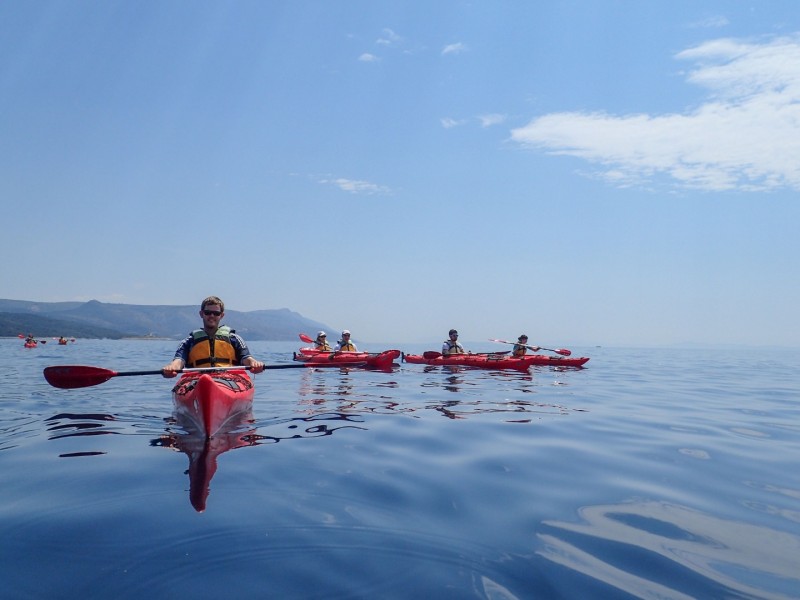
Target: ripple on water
645, 548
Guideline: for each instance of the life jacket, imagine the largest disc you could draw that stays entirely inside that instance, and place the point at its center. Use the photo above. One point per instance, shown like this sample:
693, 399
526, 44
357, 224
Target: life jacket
212, 352
346, 347
519, 350
454, 347
324, 346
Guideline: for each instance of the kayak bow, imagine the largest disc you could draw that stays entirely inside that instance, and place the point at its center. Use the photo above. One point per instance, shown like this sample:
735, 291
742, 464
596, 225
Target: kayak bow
208, 401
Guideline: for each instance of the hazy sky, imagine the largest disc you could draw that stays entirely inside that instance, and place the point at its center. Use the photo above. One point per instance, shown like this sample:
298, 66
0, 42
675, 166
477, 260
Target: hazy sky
587, 172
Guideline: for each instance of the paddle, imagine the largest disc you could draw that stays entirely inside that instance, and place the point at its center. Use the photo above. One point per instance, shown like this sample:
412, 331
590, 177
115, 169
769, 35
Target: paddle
561, 351
78, 376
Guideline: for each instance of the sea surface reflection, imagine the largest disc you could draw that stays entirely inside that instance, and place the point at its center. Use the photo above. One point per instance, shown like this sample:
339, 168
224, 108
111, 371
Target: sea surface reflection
648, 474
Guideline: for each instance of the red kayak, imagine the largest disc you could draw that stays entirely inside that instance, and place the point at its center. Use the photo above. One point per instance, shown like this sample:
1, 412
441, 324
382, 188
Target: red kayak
370, 360
493, 361
208, 401
30, 344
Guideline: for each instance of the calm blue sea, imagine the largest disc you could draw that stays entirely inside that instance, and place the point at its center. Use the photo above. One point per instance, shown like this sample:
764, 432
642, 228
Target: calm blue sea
651, 473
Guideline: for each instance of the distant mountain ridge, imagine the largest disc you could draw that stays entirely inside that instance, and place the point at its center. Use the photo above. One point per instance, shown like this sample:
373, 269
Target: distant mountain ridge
101, 320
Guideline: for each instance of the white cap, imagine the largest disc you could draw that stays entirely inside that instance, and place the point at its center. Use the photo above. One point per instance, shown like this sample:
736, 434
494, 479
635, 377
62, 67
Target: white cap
346, 332
321, 333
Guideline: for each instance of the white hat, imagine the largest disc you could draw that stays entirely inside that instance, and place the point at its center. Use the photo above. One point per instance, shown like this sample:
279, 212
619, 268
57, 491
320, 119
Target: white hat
346, 332
321, 334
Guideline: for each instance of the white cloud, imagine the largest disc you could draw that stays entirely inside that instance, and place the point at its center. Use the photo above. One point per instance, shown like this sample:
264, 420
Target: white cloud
745, 137
355, 186
388, 38
454, 48
449, 123
711, 22
485, 121
489, 120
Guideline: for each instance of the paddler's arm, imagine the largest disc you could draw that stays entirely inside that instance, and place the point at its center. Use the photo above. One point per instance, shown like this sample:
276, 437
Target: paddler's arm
243, 353
171, 369
179, 361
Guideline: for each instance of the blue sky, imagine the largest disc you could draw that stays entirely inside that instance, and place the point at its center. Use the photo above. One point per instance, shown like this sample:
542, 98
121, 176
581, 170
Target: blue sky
587, 172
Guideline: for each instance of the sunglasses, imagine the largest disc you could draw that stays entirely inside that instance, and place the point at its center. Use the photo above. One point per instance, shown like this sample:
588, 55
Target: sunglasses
208, 313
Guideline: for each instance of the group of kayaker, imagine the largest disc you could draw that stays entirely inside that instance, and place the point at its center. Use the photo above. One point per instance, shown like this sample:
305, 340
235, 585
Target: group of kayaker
453, 346
220, 346
32, 341
216, 345
343, 345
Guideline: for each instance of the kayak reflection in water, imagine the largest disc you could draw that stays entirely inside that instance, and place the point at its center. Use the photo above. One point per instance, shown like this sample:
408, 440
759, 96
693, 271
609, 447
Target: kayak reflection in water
203, 452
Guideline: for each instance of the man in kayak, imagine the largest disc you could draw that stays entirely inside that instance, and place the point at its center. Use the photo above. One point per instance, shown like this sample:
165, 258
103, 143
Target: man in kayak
321, 343
213, 345
522, 346
344, 344
452, 346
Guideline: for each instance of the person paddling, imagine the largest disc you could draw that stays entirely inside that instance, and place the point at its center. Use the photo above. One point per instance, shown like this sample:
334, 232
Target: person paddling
321, 343
522, 346
213, 345
344, 344
452, 345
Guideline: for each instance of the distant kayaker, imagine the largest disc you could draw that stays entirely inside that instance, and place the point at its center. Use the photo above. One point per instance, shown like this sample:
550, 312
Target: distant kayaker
522, 346
321, 343
30, 339
452, 346
344, 344
213, 345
